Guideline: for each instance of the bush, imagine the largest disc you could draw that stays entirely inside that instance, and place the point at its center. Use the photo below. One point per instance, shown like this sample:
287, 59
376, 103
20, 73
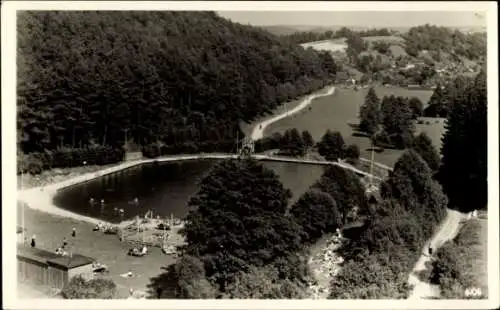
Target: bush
352, 154
79, 288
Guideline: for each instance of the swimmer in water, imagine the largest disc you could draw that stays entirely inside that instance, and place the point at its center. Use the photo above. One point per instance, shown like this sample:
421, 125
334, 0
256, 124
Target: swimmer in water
136, 200
102, 201
91, 200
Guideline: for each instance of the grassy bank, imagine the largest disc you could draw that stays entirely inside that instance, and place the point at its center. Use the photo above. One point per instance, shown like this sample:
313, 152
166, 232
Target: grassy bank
335, 112
26, 181
462, 263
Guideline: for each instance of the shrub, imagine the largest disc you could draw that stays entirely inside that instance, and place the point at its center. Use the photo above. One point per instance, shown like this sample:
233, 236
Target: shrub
79, 288
352, 153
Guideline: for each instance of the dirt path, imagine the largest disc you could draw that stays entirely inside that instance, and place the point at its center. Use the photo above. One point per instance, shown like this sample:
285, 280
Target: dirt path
447, 231
258, 131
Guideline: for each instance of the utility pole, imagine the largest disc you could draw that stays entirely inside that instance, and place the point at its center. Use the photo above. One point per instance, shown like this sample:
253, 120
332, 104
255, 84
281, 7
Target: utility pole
126, 137
237, 143
371, 166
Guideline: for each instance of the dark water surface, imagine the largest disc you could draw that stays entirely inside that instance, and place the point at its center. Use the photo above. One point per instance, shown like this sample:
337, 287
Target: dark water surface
164, 187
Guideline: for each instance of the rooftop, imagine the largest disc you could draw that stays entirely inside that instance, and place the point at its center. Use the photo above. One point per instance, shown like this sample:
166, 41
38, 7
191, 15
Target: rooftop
51, 258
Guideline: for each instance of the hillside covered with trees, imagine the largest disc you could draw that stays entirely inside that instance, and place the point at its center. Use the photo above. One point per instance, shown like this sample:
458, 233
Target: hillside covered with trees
443, 39
181, 80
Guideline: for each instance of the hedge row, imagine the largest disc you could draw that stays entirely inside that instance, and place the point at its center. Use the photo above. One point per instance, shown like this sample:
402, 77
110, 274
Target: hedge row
397, 141
154, 150
36, 162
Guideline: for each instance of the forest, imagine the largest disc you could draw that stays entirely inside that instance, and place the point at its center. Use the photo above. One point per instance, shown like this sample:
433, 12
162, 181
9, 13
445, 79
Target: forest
442, 39
183, 80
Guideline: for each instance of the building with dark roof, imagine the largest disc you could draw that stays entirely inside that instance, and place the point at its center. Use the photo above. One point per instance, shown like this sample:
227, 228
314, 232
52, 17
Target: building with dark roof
47, 268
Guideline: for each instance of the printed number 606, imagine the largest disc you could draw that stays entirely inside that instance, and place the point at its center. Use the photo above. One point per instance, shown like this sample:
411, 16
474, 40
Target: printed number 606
473, 292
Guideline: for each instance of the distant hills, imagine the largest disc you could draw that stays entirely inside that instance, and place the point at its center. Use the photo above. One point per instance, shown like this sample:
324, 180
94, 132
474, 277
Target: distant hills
289, 29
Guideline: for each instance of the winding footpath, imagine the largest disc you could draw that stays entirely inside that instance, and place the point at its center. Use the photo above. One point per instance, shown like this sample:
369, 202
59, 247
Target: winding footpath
258, 131
447, 231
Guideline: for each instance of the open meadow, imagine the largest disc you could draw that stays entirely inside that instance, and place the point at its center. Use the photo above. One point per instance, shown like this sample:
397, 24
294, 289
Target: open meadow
337, 111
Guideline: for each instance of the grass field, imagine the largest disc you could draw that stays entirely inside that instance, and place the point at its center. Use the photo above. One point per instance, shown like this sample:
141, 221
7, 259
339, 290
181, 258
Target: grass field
341, 44
248, 127
325, 46
337, 111
472, 245
50, 230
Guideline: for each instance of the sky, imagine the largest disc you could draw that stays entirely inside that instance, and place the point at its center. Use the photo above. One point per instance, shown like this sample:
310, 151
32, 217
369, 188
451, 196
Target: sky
357, 18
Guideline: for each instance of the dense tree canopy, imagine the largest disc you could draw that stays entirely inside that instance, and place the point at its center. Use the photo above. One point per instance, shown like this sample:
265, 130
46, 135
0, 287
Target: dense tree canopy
264, 283
422, 144
239, 221
182, 79
380, 256
416, 106
435, 38
316, 212
80, 288
444, 98
355, 45
292, 143
463, 172
397, 123
186, 279
411, 183
345, 187
331, 145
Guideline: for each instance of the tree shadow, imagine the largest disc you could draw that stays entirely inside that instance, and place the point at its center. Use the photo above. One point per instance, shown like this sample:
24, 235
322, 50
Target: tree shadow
361, 134
162, 286
354, 126
375, 149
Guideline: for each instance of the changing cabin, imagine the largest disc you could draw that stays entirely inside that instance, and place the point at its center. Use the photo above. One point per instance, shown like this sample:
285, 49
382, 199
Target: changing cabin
46, 268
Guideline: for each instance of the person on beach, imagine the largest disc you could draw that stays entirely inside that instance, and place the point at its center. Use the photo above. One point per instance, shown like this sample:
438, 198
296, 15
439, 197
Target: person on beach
73, 233
64, 243
430, 250
33, 241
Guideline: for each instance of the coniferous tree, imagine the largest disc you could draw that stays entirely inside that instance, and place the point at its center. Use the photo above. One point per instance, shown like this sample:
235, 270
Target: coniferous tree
435, 106
308, 139
463, 172
422, 144
411, 184
370, 113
